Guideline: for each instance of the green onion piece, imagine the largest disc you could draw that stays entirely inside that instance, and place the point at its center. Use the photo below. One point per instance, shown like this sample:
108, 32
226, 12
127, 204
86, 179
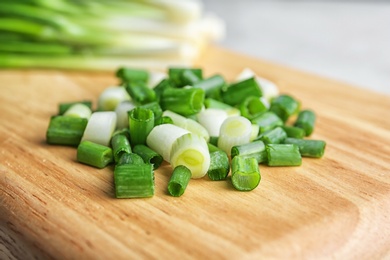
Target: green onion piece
161, 87
120, 145
212, 86
132, 75
176, 75
252, 107
235, 130
100, 127
140, 92
134, 181
294, 132
236, 93
163, 120
122, 115
255, 149
94, 154
189, 77
191, 151
130, 158
308, 148
112, 96
255, 132
156, 108
141, 122
214, 103
306, 120
267, 121
245, 173
212, 119
284, 106
79, 110
273, 136
219, 164
283, 155
65, 130
184, 101
214, 140
62, 107
148, 155
179, 180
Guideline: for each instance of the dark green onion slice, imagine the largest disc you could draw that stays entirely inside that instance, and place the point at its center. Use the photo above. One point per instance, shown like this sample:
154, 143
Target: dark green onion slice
120, 145
306, 120
184, 101
219, 164
283, 155
245, 173
64, 130
284, 106
294, 132
237, 92
267, 121
255, 149
308, 148
134, 181
179, 180
94, 154
148, 155
141, 122
273, 136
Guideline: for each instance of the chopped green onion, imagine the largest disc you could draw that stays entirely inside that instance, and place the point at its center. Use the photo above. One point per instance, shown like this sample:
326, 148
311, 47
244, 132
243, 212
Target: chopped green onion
162, 137
79, 110
284, 106
148, 155
163, 120
234, 130
156, 108
255, 149
120, 145
62, 107
308, 148
132, 75
273, 136
268, 88
130, 158
161, 87
94, 154
255, 132
134, 181
110, 98
267, 121
294, 132
213, 103
65, 130
140, 92
189, 77
155, 78
141, 122
184, 101
191, 151
176, 75
212, 86
245, 173
283, 155
211, 119
188, 124
306, 120
179, 180
236, 93
122, 114
252, 107
100, 127
219, 164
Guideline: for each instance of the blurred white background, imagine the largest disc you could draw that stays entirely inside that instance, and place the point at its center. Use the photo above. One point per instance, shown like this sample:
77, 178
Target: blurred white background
344, 40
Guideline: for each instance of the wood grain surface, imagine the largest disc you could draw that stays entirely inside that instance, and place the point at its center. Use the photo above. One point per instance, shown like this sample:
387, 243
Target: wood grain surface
335, 207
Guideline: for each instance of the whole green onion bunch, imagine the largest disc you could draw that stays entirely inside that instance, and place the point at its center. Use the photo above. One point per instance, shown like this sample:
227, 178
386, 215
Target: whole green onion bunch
103, 34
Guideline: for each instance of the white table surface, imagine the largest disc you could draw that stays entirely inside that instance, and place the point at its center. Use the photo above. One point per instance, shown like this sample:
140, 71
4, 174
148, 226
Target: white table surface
344, 40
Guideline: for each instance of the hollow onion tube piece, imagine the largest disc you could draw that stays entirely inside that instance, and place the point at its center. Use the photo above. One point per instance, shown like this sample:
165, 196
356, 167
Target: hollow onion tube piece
187, 123
234, 131
284, 106
134, 181
252, 107
179, 180
156, 109
120, 145
122, 115
294, 132
62, 107
111, 97
219, 164
211, 119
140, 92
100, 127
191, 151
79, 110
254, 149
130, 158
212, 86
184, 101
148, 155
176, 75
94, 154
283, 155
65, 130
239, 91
162, 137
267, 121
306, 120
131, 74
308, 148
141, 122
245, 173
273, 136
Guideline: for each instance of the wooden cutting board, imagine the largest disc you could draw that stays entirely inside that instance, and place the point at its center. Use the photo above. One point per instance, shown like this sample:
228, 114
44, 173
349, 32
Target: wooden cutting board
334, 207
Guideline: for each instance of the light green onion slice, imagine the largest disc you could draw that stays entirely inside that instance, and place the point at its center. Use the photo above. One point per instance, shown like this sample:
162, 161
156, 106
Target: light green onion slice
122, 115
111, 97
79, 110
100, 127
162, 137
212, 119
234, 131
191, 151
